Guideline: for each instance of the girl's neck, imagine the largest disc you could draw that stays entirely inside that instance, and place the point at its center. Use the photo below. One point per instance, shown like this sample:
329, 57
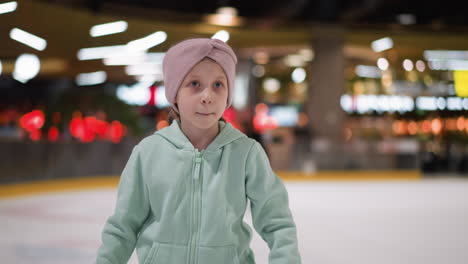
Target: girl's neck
200, 138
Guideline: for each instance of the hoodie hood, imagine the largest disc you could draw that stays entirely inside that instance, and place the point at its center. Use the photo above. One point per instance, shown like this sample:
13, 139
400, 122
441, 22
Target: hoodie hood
174, 135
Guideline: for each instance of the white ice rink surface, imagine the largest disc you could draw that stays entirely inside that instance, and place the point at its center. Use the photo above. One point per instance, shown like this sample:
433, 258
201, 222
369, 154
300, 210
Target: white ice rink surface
414, 222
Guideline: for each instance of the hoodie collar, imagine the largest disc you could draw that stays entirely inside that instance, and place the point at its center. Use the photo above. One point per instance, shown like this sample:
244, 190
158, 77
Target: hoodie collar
174, 135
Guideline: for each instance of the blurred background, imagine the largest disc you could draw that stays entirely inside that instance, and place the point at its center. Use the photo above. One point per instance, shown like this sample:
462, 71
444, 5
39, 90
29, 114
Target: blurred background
332, 89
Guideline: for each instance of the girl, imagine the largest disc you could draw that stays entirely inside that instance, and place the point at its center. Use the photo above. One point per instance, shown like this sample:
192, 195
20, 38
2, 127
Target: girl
183, 193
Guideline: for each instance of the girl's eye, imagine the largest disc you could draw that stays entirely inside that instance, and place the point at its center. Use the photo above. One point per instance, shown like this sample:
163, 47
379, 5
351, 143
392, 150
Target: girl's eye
194, 83
218, 84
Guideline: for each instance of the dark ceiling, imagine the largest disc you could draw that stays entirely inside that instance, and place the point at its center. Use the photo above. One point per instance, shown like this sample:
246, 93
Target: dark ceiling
436, 13
280, 25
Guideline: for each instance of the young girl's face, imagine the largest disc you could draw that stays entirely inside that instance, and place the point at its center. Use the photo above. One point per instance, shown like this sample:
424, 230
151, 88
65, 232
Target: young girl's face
202, 97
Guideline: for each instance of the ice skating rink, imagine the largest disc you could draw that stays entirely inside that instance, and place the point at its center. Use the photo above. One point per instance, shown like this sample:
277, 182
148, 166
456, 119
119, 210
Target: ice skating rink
339, 222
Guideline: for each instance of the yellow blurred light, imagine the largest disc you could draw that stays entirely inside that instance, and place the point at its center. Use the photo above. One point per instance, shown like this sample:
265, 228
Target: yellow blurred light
261, 108
460, 123
261, 57
436, 126
426, 126
161, 124
294, 60
461, 83
412, 76
412, 128
225, 16
427, 80
396, 127
451, 124
403, 127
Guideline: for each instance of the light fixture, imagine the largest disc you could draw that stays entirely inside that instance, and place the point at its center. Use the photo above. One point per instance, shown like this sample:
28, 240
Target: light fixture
28, 39
27, 66
221, 35
294, 60
420, 66
91, 78
144, 69
108, 28
8, 7
271, 85
134, 58
408, 65
383, 64
147, 42
225, 16
367, 71
406, 19
382, 44
101, 52
298, 75
445, 55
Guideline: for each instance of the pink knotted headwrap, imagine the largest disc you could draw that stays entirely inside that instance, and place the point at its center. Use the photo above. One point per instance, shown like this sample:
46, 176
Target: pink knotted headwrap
181, 58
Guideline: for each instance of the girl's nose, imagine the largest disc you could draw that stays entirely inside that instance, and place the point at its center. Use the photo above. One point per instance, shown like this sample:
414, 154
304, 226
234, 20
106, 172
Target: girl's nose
207, 97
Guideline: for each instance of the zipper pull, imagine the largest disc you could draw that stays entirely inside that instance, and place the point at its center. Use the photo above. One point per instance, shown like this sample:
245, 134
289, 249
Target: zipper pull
198, 160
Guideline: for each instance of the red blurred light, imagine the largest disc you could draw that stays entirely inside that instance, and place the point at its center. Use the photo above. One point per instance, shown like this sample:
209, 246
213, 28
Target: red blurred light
101, 128
35, 135
230, 115
83, 128
77, 127
116, 131
264, 122
33, 120
53, 134
436, 126
152, 99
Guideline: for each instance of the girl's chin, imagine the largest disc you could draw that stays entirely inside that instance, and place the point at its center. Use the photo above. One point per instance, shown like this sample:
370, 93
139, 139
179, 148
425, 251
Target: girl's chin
204, 122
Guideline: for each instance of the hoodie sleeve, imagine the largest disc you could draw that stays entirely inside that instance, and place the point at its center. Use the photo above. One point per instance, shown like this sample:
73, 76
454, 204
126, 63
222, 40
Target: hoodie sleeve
269, 204
121, 229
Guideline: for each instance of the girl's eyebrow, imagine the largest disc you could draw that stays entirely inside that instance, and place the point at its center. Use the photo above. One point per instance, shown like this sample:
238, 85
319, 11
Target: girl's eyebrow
198, 76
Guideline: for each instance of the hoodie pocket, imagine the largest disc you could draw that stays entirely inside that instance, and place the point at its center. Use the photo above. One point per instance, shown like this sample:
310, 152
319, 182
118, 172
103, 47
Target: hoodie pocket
215, 255
163, 253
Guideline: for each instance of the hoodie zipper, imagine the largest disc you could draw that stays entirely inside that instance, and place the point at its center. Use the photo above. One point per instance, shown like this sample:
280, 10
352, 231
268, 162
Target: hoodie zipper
195, 206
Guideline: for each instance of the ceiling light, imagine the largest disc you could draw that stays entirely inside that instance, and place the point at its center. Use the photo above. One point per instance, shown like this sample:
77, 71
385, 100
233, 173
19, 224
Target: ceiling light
148, 41
368, 71
408, 65
27, 66
101, 52
383, 64
28, 39
298, 75
382, 44
8, 7
108, 28
221, 35
225, 16
92, 78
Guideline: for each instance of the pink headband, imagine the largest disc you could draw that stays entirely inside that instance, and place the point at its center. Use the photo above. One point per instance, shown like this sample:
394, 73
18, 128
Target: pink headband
181, 58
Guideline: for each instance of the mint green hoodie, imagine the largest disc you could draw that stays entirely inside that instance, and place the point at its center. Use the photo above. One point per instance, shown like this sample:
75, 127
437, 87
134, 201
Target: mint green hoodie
177, 205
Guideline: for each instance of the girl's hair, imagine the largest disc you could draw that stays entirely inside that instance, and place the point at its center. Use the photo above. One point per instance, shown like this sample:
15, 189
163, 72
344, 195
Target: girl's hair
173, 115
